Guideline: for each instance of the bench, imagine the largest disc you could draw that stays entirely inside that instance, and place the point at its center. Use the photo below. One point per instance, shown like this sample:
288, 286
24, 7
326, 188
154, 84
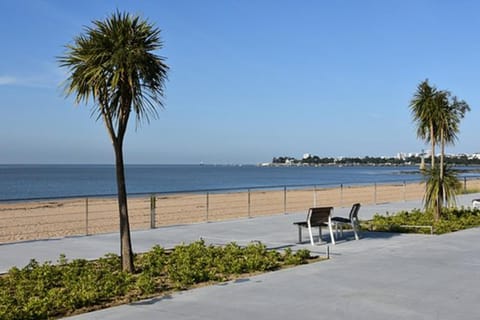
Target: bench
316, 217
352, 221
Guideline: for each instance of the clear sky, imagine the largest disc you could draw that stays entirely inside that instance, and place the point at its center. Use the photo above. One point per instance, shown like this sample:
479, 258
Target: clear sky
249, 80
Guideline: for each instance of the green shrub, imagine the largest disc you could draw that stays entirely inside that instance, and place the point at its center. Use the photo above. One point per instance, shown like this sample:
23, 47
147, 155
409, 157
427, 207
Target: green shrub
297, 258
190, 264
452, 219
258, 258
43, 291
151, 265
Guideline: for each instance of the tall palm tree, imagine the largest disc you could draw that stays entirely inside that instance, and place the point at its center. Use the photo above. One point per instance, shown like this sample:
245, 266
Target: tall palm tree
452, 111
113, 65
424, 107
424, 113
437, 116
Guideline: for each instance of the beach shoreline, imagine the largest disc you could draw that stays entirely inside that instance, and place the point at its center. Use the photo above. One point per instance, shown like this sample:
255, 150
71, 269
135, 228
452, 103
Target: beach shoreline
54, 218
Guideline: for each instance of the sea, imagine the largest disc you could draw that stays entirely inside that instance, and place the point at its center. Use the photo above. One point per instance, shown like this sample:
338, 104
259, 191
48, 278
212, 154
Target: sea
27, 182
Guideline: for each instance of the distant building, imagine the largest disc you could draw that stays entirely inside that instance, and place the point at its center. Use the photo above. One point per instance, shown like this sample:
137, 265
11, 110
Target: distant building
306, 156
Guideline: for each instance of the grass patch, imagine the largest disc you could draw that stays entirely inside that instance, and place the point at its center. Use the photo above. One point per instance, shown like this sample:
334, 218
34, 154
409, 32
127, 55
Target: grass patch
47, 291
452, 219
469, 191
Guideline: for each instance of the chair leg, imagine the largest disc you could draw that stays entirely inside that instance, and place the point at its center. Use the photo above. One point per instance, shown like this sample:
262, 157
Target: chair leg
355, 230
311, 235
332, 238
299, 234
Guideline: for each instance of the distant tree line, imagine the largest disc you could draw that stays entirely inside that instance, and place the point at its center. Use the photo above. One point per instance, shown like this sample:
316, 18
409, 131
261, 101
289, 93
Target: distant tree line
316, 160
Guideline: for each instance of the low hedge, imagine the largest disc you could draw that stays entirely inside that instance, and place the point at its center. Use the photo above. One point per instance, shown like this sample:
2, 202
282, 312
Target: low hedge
44, 291
452, 219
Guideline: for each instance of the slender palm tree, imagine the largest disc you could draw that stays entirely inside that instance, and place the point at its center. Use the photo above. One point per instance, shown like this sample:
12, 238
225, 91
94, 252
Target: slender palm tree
424, 113
452, 111
437, 115
114, 66
424, 107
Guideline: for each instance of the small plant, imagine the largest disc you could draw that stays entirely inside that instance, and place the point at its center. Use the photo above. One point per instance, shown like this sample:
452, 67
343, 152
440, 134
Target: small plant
297, 258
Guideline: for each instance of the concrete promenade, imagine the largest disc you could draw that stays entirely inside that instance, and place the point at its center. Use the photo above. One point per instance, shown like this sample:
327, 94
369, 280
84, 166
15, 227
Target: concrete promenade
382, 276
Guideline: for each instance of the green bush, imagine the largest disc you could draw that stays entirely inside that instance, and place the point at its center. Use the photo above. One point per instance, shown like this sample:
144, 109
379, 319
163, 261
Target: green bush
452, 219
190, 264
297, 258
43, 291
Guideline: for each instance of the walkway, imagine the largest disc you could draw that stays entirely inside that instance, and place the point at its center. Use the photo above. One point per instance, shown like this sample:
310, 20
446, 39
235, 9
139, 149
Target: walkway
394, 276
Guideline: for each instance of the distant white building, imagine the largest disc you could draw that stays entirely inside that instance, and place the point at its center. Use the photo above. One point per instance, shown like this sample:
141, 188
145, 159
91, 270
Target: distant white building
306, 155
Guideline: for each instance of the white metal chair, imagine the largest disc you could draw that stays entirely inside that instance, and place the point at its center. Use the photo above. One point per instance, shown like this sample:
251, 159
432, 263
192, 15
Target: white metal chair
476, 203
352, 220
317, 217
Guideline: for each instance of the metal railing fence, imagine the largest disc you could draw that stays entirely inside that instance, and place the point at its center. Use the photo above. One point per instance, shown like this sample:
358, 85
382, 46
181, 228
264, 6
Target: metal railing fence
48, 218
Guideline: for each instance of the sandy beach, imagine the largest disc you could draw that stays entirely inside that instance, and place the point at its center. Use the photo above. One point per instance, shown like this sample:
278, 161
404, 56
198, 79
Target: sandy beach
81, 216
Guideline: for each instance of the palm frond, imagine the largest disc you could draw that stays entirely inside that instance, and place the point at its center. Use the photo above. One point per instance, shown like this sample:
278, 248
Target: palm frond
114, 65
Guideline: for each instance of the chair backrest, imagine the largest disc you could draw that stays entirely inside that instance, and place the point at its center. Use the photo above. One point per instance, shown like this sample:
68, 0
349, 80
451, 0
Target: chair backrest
354, 212
319, 215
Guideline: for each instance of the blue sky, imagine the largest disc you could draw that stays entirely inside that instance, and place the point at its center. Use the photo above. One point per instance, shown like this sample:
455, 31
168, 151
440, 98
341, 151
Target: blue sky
249, 80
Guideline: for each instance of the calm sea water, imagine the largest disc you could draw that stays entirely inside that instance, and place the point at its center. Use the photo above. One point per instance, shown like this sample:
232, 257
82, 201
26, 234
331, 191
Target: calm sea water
45, 181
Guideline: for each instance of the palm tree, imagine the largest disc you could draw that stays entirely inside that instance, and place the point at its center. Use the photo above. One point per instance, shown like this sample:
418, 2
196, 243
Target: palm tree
424, 113
113, 65
437, 116
439, 188
452, 111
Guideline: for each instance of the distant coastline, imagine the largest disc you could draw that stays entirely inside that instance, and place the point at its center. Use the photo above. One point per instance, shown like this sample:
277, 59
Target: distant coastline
309, 160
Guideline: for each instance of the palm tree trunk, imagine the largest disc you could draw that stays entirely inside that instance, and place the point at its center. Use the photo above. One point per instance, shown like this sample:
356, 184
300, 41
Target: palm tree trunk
437, 209
441, 193
432, 140
442, 154
125, 242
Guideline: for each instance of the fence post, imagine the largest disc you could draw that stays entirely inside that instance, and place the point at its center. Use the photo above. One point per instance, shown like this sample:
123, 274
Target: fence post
285, 199
249, 214
86, 216
341, 194
465, 184
153, 206
207, 204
